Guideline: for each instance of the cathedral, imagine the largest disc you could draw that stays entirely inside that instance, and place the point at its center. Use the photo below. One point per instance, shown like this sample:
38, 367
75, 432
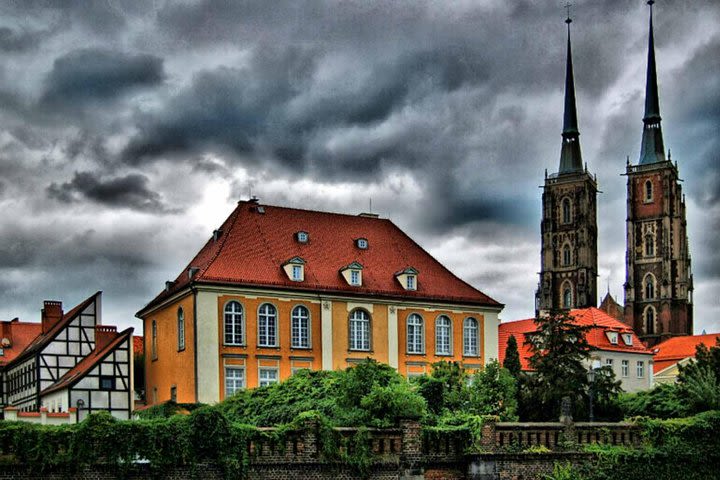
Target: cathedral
658, 284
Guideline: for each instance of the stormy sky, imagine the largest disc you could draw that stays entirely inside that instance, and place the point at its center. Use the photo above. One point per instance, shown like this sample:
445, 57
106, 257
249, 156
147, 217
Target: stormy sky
129, 130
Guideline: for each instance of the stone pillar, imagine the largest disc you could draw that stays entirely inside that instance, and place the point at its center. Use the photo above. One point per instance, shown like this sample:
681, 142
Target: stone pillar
310, 439
43, 415
487, 440
11, 414
72, 415
411, 454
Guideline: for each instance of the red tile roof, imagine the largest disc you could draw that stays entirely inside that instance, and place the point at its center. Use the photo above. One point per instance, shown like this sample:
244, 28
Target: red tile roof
253, 246
596, 337
88, 362
20, 334
675, 349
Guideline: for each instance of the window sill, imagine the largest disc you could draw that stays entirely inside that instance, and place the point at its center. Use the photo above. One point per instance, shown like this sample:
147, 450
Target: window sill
351, 350
234, 345
416, 354
181, 349
300, 348
271, 347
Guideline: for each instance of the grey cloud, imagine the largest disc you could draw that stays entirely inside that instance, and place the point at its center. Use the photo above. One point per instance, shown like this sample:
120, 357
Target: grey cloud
97, 74
129, 191
13, 41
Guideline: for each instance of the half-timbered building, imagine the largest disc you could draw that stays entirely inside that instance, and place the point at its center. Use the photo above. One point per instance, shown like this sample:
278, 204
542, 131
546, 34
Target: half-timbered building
69, 360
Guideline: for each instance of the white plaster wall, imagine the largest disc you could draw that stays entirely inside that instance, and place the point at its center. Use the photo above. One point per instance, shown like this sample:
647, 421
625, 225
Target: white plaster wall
326, 320
490, 335
208, 350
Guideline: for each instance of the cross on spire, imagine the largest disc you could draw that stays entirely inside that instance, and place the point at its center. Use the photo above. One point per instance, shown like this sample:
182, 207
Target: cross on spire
567, 7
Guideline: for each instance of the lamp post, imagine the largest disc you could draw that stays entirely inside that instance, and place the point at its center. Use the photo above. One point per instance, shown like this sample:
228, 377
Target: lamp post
79, 404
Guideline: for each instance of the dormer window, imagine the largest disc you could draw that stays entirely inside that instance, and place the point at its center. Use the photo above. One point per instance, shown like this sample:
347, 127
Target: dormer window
353, 274
295, 269
613, 337
627, 339
407, 278
362, 243
302, 237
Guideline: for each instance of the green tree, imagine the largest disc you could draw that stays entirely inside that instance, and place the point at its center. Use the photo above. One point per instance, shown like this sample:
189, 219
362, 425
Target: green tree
559, 357
512, 357
493, 392
445, 389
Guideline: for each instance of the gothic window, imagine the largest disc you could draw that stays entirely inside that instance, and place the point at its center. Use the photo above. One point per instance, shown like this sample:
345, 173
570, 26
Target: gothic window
415, 334
359, 330
649, 320
267, 325
649, 245
567, 296
300, 327
567, 256
443, 334
648, 191
566, 210
234, 328
649, 286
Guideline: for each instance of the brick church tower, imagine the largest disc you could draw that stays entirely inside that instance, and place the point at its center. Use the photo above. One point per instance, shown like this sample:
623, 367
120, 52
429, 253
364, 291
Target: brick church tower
568, 272
658, 285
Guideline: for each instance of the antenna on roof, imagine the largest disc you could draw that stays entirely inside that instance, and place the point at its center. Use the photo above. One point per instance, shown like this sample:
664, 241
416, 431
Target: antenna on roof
370, 205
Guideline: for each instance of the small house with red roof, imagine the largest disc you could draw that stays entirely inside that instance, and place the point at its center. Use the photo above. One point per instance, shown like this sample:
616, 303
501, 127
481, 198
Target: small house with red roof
613, 344
69, 362
277, 289
676, 351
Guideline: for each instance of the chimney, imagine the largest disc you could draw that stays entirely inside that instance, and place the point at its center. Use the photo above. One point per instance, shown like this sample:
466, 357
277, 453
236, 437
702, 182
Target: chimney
216, 234
52, 313
104, 334
169, 285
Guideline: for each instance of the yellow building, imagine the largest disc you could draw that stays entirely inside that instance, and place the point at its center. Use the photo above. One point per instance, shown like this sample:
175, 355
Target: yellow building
277, 289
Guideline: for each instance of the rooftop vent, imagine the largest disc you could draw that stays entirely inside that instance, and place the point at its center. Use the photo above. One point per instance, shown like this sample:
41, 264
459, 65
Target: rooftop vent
369, 215
169, 285
217, 234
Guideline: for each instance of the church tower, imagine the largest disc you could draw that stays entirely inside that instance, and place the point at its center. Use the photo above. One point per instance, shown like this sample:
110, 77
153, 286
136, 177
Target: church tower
658, 284
568, 272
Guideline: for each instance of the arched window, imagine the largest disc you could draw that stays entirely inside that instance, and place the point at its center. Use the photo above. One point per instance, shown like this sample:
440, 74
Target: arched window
649, 245
415, 335
300, 327
649, 286
567, 256
648, 191
234, 324
267, 325
470, 337
359, 330
180, 329
443, 335
153, 340
567, 296
566, 210
650, 320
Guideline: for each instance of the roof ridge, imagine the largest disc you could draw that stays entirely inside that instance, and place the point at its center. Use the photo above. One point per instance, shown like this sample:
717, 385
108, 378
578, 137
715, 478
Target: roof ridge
326, 212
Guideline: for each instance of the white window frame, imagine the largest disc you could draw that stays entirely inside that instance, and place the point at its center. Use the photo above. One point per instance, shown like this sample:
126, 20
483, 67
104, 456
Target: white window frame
613, 337
640, 369
236, 381
360, 327
235, 320
625, 368
267, 381
471, 337
267, 325
415, 331
362, 243
440, 341
410, 282
627, 338
303, 237
297, 273
609, 362
180, 329
300, 327
355, 277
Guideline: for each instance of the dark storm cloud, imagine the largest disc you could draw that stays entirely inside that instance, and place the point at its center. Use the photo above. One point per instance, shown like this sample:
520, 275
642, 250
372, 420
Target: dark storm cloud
14, 41
97, 75
129, 191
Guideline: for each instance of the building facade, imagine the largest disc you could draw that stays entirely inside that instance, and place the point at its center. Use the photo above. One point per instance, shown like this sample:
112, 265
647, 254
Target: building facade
612, 344
658, 285
676, 351
568, 272
69, 360
277, 289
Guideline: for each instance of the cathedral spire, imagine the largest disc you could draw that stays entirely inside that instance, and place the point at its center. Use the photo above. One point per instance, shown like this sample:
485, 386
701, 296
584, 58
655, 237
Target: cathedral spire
652, 149
570, 157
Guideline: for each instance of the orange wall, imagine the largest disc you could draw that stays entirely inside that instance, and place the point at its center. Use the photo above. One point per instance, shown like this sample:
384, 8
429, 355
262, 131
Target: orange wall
429, 356
232, 355
172, 367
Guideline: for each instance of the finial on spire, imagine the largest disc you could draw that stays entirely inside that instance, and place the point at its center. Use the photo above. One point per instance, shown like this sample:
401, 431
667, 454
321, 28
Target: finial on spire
567, 7
669, 155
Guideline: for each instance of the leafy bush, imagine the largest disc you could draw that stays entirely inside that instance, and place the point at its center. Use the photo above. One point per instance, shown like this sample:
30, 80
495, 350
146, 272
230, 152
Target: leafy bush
493, 392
